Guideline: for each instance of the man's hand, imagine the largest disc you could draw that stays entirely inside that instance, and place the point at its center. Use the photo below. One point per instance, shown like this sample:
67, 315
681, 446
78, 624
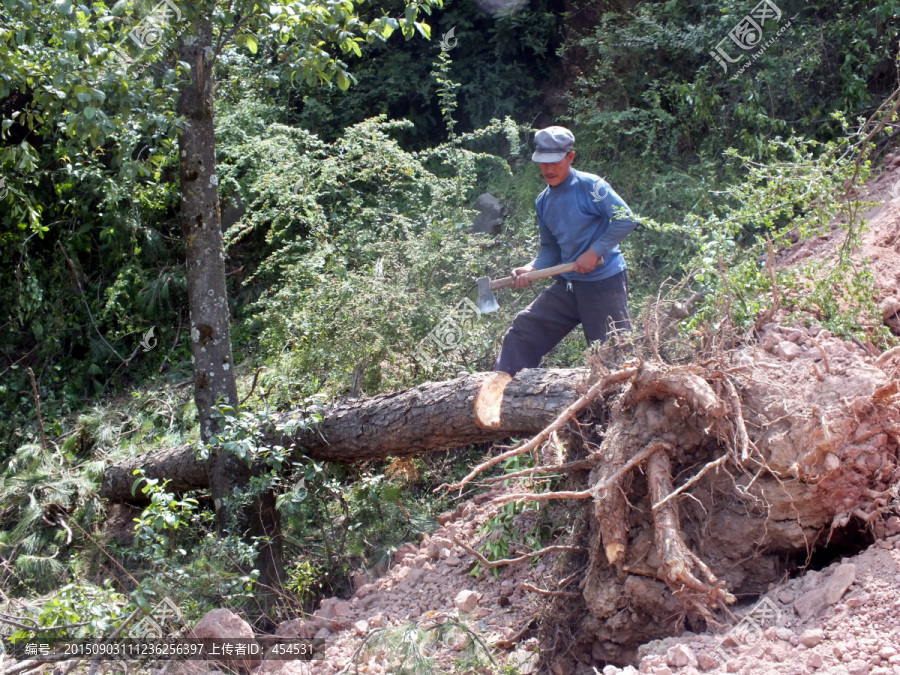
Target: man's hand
586, 262
522, 281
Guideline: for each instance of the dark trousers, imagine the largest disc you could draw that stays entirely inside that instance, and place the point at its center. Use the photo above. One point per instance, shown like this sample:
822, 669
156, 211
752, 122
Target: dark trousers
545, 322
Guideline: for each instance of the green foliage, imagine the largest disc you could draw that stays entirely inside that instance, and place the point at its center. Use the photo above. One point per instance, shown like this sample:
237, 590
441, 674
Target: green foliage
367, 248
164, 513
795, 196
88, 130
43, 495
79, 610
658, 111
178, 554
501, 66
506, 533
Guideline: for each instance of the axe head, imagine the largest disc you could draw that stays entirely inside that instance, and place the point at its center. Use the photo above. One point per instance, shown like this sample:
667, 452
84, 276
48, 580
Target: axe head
487, 303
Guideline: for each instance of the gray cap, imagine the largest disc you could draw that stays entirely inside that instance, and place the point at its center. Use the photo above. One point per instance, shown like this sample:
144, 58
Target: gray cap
552, 144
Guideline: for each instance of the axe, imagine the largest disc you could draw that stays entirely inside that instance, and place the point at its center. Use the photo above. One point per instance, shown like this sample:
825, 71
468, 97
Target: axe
486, 301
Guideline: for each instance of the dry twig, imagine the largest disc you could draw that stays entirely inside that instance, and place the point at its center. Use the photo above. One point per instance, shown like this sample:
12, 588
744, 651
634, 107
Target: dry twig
491, 564
553, 594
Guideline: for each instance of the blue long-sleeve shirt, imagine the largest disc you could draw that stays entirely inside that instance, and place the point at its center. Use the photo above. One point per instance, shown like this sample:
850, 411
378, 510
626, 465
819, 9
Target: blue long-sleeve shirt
580, 213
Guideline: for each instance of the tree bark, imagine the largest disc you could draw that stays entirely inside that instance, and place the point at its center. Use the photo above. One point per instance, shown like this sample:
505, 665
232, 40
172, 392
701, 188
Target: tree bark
434, 416
210, 319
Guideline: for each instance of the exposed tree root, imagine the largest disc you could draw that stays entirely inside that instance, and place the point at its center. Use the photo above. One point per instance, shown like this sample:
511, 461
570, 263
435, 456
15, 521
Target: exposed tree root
708, 482
677, 559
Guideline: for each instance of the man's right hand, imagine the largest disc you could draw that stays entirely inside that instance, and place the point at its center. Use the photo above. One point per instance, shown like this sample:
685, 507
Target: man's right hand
522, 281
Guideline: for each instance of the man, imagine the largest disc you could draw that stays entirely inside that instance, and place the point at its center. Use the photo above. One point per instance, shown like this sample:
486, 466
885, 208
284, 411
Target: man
581, 220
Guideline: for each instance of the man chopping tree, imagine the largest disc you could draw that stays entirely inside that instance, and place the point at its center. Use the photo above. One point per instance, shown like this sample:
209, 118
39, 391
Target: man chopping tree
581, 221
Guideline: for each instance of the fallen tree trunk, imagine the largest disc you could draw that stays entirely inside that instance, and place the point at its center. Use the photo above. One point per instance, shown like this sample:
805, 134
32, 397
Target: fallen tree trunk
434, 416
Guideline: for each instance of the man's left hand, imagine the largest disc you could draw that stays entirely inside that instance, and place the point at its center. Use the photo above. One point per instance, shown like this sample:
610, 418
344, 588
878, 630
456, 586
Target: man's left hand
586, 262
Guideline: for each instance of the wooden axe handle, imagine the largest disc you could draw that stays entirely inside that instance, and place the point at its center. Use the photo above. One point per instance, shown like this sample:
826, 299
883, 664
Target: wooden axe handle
506, 282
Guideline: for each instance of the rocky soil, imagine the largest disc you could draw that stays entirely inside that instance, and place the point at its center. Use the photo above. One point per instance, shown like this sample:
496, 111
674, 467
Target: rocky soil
841, 620
837, 621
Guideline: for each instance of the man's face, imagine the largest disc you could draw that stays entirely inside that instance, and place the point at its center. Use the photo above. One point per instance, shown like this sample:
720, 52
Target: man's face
556, 172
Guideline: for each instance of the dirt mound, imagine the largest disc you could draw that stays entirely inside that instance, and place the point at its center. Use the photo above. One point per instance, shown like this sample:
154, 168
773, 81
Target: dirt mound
429, 584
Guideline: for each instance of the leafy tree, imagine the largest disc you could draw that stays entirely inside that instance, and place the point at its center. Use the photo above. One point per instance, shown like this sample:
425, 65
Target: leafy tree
86, 69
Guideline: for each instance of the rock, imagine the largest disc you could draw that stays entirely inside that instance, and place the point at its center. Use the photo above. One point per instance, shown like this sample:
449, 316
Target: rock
335, 614
414, 575
651, 661
858, 667
839, 582
889, 306
811, 580
224, 624
361, 627
662, 670
892, 526
786, 596
680, 656
438, 544
295, 628
466, 601
814, 661
490, 214
706, 661
405, 550
787, 350
363, 591
444, 518
813, 637
831, 462
451, 561
784, 634
810, 604
376, 621
360, 579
